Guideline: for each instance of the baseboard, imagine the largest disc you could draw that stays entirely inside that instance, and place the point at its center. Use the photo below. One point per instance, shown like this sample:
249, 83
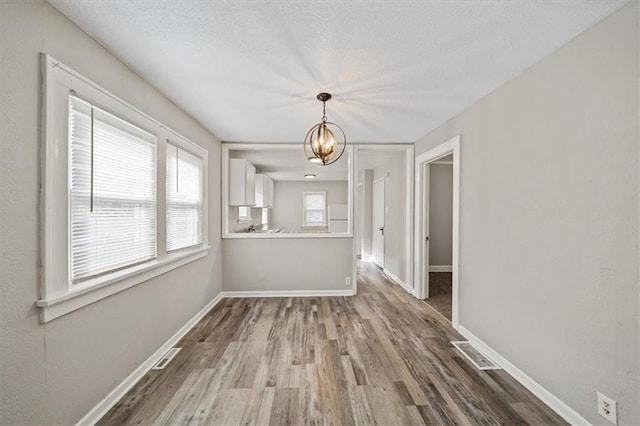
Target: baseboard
96, 413
440, 268
553, 402
287, 293
397, 280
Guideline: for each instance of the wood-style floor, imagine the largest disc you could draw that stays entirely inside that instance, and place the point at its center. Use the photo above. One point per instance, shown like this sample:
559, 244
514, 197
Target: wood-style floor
381, 357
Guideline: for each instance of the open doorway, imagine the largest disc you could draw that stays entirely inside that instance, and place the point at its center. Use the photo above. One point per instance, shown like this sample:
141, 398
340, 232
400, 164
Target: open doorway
436, 224
383, 211
439, 221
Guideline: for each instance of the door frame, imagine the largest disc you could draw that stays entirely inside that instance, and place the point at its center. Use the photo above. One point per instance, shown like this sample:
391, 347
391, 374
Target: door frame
373, 214
452, 146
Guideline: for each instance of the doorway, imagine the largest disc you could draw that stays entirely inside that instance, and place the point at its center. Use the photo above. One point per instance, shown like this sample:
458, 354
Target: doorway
423, 240
391, 166
438, 226
377, 230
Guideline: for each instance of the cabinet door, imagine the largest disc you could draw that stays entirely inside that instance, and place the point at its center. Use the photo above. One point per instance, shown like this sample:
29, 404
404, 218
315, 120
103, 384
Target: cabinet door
250, 188
241, 182
269, 196
237, 181
261, 191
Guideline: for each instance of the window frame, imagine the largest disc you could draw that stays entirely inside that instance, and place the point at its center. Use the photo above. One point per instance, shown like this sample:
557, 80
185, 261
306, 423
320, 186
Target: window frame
306, 225
58, 296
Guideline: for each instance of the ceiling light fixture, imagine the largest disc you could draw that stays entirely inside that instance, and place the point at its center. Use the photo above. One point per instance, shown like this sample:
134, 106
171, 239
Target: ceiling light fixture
321, 146
309, 176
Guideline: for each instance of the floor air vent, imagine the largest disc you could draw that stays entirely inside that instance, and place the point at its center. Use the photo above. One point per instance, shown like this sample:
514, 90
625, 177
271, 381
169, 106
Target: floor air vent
476, 357
166, 358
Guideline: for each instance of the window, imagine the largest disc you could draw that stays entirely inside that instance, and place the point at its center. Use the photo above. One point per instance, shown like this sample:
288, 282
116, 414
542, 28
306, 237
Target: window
113, 192
314, 209
184, 198
107, 224
244, 214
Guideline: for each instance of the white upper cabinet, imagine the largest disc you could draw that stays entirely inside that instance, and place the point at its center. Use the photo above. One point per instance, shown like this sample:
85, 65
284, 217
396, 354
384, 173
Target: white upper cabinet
264, 191
270, 195
242, 186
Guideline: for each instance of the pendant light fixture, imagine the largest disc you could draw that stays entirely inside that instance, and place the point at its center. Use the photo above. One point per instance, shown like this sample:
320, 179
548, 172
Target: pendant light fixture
321, 144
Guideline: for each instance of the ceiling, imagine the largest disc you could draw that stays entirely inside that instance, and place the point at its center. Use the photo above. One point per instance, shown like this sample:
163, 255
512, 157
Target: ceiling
249, 71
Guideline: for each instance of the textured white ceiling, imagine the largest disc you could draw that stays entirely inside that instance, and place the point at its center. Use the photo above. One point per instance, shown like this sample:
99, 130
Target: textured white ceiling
250, 71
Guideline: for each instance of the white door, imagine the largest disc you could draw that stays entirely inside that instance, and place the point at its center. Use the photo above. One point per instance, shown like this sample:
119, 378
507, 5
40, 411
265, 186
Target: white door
377, 220
425, 228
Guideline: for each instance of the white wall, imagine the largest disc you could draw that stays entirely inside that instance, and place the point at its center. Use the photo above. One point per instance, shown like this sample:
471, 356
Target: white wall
549, 218
440, 213
287, 201
55, 373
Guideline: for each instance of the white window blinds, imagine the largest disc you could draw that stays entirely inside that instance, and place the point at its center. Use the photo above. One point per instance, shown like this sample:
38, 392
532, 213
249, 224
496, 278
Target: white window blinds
113, 192
185, 194
314, 208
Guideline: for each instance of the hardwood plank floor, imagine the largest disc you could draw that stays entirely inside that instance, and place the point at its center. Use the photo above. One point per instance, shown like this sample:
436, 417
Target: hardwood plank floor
381, 357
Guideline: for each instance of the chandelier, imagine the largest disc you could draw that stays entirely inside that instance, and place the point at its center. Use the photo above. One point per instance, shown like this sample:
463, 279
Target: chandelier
321, 146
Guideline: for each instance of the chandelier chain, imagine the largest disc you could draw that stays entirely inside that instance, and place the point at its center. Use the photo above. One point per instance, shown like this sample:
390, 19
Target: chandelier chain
324, 112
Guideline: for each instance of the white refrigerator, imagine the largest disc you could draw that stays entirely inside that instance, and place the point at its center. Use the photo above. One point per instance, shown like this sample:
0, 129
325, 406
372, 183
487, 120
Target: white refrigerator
338, 218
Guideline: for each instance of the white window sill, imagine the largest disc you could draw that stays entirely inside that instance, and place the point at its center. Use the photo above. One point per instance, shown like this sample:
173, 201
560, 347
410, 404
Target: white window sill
114, 283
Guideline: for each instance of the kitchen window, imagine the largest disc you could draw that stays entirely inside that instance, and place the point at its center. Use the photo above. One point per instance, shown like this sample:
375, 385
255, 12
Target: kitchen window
314, 209
107, 224
244, 214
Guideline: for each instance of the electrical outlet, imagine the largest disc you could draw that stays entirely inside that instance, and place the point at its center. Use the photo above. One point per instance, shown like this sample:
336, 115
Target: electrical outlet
347, 281
607, 408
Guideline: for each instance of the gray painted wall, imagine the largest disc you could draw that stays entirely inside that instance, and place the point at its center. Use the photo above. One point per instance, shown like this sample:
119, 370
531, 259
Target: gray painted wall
270, 264
287, 201
55, 373
357, 219
363, 214
440, 213
549, 218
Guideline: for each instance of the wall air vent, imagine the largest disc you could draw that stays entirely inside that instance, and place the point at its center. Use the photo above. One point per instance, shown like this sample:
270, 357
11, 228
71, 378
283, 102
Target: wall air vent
166, 358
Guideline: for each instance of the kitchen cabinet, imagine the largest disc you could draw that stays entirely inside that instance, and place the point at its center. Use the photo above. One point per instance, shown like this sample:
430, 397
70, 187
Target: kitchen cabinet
270, 195
264, 191
242, 178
